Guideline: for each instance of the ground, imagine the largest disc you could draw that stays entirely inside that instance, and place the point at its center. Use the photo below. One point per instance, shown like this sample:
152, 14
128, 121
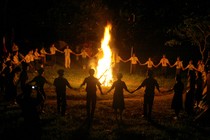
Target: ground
73, 126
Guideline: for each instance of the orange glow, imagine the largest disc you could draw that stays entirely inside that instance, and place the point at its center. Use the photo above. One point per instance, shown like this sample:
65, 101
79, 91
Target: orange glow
104, 68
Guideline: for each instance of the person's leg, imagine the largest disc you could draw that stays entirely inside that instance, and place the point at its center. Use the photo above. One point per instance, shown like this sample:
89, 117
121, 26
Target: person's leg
93, 105
58, 103
145, 105
63, 106
121, 112
88, 106
150, 104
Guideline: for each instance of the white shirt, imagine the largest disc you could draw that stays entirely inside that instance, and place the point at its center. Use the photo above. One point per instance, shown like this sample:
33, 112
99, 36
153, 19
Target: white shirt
149, 64
178, 64
190, 67
164, 62
27, 58
134, 60
36, 55
67, 52
53, 50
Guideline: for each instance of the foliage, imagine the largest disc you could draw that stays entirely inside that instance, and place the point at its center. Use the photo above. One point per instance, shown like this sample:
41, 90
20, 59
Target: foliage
193, 30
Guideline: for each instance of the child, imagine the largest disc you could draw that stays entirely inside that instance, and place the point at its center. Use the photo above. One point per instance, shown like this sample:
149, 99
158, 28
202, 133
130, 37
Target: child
118, 98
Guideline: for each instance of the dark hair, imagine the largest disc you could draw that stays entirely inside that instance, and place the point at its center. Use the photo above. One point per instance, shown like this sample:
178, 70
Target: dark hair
91, 71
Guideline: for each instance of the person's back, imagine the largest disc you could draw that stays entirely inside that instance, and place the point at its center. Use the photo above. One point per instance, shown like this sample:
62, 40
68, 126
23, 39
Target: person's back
91, 84
150, 83
119, 86
60, 84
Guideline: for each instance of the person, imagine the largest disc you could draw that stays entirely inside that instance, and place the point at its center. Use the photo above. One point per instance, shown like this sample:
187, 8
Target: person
53, 50
199, 88
190, 95
37, 57
149, 64
134, 61
23, 76
177, 103
191, 68
43, 54
150, 83
11, 85
30, 106
67, 52
118, 97
164, 63
60, 84
28, 60
15, 60
200, 66
179, 66
118, 59
85, 57
91, 82
39, 81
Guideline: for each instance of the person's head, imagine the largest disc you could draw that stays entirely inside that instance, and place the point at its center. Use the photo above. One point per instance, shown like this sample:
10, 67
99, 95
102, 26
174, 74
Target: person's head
134, 55
164, 56
40, 71
119, 76
60, 72
149, 59
91, 72
178, 58
67, 46
190, 62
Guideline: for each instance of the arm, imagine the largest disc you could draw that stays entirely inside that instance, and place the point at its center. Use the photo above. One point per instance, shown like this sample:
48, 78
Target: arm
137, 88
126, 88
68, 85
83, 83
112, 87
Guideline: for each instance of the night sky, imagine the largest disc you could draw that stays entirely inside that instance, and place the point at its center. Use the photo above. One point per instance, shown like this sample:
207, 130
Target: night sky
36, 22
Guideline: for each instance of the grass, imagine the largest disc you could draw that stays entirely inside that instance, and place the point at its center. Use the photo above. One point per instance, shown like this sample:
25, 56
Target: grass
104, 126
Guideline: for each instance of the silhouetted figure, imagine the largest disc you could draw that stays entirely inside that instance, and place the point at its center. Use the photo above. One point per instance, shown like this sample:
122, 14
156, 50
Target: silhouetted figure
11, 85
60, 84
91, 82
150, 83
23, 76
199, 89
39, 81
177, 103
5, 76
118, 97
134, 61
190, 96
30, 105
164, 65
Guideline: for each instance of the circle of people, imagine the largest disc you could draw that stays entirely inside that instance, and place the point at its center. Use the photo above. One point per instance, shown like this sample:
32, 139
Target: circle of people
11, 74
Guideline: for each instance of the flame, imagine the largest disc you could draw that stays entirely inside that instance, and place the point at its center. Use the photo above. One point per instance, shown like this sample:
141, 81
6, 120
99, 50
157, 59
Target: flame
104, 68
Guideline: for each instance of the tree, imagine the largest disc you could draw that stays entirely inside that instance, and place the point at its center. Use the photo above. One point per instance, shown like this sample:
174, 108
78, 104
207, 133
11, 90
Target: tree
193, 30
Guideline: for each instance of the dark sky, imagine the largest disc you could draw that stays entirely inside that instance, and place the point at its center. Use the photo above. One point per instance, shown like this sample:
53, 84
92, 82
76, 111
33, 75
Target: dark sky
26, 18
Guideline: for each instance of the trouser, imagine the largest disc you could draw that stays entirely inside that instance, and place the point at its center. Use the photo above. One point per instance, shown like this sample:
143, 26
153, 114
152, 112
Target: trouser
53, 59
148, 103
90, 105
67, 62
61, 102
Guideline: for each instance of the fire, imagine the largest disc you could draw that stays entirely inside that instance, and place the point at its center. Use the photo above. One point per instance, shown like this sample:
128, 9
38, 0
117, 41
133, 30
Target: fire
104, 68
